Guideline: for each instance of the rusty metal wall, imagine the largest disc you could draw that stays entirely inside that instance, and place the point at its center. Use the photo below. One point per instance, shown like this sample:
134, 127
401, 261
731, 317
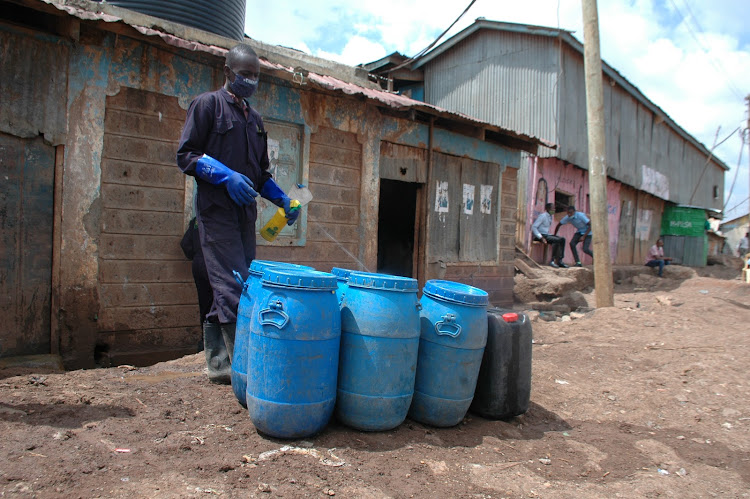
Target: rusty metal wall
507, 79
33, 86
687, 250
27, 169
403, 163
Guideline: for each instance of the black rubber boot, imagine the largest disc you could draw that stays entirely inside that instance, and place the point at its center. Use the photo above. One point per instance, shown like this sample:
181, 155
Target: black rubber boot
228, 330
217, 357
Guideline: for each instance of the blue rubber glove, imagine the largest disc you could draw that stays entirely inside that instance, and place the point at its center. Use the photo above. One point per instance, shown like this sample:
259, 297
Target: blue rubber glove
291, 214
239, 187
273, 193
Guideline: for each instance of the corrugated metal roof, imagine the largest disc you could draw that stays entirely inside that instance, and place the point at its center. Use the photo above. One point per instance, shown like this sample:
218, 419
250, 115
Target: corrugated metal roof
300, 76
568, 38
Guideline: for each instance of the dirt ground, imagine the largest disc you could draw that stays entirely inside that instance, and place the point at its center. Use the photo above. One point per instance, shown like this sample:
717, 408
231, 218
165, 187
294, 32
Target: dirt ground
645, 399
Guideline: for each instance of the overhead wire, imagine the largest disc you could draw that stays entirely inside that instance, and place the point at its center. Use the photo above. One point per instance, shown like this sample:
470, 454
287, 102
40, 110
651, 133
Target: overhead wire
710, 156
738, 205
427, 49
715, 63
743, 136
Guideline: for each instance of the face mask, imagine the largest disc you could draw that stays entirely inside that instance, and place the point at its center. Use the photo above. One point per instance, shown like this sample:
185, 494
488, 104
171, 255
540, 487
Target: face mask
243, 87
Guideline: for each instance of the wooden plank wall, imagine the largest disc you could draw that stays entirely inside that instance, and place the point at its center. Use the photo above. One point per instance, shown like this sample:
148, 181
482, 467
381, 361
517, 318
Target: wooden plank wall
148, 302
27, 168
333, 226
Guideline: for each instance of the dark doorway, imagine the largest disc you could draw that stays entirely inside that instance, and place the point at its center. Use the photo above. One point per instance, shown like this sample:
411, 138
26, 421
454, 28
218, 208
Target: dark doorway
396, 220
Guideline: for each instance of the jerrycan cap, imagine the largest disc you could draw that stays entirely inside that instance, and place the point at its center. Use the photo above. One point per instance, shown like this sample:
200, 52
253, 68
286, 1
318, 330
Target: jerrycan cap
385, 282
298, 278
341, 274
510, 317
456, 292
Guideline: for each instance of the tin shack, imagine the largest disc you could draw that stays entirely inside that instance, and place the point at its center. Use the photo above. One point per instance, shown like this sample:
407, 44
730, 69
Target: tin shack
94, 206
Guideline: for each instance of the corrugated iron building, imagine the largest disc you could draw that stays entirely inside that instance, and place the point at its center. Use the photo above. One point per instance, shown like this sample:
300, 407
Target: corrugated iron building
531, 79
94, 206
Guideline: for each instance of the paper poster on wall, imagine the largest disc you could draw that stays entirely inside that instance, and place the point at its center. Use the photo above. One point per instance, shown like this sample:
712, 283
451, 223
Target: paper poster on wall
643, 225
441, 197
485, 194
469, 199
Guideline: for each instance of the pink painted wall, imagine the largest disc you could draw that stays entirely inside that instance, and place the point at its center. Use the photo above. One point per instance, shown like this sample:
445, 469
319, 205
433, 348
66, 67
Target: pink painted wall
573, 181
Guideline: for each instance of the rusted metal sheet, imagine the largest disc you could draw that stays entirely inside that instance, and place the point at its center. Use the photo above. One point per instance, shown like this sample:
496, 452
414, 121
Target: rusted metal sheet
478, 225
687, 250
26, 211
404, 163
464, 200
34, 85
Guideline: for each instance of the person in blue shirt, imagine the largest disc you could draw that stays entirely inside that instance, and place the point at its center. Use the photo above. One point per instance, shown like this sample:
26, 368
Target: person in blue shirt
583, 231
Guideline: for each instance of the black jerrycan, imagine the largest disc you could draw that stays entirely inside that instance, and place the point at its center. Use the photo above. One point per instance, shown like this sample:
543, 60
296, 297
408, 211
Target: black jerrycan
504, 385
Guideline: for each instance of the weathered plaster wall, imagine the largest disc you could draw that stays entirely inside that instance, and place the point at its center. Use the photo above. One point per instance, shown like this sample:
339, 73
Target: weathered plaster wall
99, 65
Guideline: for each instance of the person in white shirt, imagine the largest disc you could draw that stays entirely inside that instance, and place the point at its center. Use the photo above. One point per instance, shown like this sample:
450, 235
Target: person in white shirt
540, 232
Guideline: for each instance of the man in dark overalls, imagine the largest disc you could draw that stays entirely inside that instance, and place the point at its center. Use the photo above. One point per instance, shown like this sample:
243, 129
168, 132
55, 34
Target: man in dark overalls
223, 145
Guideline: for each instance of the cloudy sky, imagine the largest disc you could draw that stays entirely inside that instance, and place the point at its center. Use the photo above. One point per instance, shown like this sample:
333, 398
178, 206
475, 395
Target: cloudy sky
690, 57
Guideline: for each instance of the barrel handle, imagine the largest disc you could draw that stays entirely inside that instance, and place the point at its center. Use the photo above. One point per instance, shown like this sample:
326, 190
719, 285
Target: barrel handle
448, 326
238, 278
274, 315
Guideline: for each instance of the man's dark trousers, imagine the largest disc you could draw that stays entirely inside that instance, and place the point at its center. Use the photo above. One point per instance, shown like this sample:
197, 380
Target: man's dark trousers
586, 246
558, 246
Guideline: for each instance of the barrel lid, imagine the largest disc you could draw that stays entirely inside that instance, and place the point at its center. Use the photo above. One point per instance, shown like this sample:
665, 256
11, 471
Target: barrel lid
510, 317
342, 274
456, 292
258, 266
298, 278
382, 281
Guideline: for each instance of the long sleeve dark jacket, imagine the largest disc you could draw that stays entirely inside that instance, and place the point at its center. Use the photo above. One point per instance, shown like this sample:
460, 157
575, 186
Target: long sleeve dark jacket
216, 125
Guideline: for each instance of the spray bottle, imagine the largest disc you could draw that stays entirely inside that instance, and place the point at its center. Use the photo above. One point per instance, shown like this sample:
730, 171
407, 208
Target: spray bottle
300, 196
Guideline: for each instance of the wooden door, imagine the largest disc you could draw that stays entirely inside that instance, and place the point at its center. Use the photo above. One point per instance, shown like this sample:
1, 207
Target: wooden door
26, 211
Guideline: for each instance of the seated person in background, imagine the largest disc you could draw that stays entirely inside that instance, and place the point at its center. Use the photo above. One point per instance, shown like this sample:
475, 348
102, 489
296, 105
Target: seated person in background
540, 231
656, 256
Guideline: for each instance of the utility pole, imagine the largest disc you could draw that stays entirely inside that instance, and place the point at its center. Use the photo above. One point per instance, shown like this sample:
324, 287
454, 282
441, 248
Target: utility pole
592, 63
747, 134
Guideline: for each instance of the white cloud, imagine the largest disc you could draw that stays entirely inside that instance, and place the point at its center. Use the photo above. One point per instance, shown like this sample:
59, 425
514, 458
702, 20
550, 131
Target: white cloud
356, 50
650, 42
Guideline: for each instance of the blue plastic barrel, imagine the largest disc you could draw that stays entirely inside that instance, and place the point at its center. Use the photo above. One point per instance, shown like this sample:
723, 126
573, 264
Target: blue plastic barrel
293, 352
453, 336
379, 344
342, 275
244, 313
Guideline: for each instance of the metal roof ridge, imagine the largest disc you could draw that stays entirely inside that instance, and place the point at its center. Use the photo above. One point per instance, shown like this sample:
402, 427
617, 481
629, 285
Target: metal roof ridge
568, 37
